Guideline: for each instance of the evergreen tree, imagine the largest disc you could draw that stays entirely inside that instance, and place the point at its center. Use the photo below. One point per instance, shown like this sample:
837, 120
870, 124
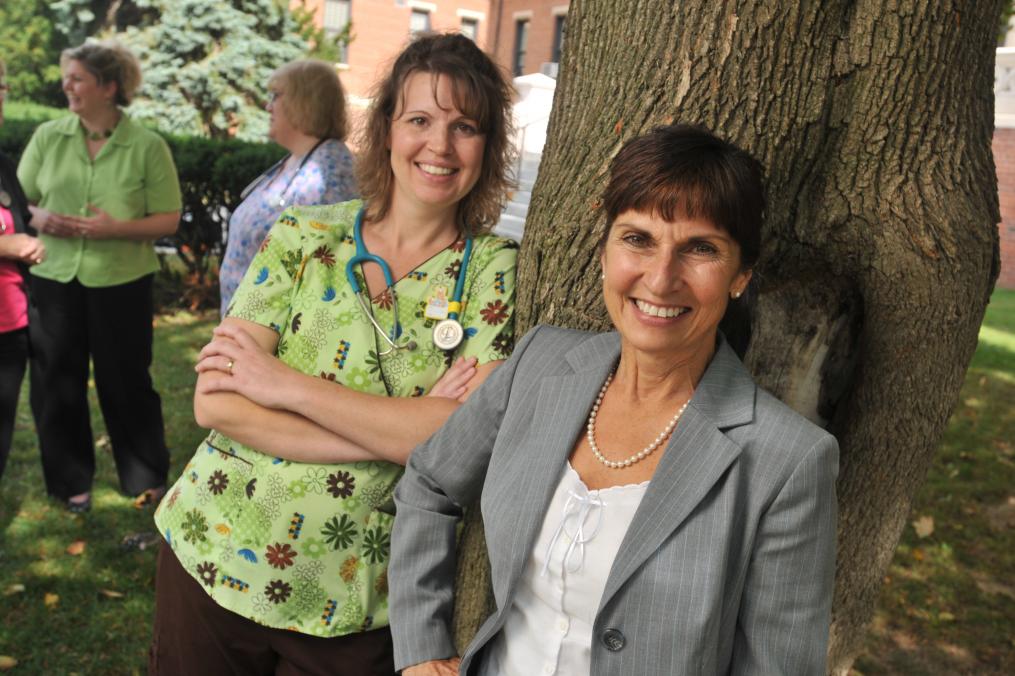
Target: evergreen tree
206, 64
30, 45
321, 45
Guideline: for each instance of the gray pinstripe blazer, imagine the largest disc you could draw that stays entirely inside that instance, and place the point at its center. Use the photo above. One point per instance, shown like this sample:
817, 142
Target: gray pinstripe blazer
727, 566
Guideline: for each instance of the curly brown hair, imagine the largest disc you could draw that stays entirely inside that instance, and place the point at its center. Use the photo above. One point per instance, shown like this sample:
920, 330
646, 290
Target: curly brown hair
108, 61
480, 91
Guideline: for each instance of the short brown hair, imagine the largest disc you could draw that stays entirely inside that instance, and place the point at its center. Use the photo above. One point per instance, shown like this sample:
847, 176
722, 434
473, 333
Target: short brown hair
109, 61
480, 91
314, 100
686, 170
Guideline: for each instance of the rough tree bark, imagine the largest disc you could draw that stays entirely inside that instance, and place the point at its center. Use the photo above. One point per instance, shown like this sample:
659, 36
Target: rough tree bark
874, 120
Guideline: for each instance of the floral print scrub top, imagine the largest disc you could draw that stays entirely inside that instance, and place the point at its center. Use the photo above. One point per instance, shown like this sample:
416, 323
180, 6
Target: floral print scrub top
304, 546
325, 178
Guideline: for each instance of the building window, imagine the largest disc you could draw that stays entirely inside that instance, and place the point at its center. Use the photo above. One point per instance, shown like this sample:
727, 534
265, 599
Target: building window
419, 22
470, 28
521, 44
337, 14
559, 26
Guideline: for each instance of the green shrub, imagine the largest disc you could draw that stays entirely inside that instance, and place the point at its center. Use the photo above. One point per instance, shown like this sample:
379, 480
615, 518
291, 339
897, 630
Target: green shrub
33, 112
212, 174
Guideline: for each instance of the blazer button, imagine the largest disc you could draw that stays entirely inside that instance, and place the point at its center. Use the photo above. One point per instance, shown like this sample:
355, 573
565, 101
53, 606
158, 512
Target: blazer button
614, 640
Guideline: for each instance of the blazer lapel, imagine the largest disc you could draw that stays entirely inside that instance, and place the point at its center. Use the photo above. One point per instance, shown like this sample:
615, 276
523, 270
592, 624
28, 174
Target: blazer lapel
696, 457
559, 417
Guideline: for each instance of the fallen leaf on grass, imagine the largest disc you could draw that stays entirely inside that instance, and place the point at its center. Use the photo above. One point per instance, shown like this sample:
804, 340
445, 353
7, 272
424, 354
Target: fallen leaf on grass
76, 548
918, 554
14, 589
945, 617
924, 526
51, 600
1002, 517
110, 594
988, 585
7, 662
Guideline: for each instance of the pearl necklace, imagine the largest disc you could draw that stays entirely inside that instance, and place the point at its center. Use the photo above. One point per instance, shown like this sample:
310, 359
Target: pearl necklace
590, 432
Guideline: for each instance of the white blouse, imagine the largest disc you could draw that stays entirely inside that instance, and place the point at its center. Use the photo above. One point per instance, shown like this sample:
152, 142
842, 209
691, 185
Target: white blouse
549, 625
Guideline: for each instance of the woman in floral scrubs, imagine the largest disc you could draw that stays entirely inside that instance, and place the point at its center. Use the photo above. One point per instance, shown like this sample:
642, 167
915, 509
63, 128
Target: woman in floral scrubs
277, 533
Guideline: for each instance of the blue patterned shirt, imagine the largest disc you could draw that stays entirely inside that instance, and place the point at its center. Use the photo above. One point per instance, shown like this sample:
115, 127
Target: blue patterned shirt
325, 178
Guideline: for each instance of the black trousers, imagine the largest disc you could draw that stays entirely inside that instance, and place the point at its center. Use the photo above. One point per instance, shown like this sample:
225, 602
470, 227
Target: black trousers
113, 326
13, 357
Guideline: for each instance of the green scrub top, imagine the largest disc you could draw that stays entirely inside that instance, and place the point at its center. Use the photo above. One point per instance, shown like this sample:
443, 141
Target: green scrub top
305, 546
131, 177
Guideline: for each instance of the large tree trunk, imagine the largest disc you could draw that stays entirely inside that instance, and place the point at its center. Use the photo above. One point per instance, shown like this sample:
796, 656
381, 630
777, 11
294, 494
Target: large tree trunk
874, 121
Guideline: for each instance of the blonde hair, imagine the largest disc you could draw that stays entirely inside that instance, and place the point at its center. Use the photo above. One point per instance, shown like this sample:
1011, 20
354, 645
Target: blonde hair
480, 90
314, 100
109, 61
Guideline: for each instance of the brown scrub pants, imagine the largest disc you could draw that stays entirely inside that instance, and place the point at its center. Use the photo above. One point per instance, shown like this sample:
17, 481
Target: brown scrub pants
193, 636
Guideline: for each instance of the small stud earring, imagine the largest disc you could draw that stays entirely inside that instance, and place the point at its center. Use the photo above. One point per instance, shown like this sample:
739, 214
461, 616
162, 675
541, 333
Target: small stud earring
602, 275
736, 294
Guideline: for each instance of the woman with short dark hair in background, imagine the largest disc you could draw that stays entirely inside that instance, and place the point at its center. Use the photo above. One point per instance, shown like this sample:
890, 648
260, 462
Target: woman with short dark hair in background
648, 509
102, 189
308, 119
18, 250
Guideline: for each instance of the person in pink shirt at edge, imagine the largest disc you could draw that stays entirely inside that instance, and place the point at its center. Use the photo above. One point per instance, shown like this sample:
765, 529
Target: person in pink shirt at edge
18, 249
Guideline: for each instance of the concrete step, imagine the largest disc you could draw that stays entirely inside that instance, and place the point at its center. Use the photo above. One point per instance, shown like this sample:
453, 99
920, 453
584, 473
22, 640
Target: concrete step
521, 196
516, 209
510, 226
528, 177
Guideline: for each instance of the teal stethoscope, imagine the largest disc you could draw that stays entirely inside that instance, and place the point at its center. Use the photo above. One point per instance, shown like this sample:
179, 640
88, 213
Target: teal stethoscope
447, 334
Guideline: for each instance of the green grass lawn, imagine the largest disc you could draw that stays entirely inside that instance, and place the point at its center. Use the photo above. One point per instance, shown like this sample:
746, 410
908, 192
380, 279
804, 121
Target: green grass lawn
81, 629
948, 605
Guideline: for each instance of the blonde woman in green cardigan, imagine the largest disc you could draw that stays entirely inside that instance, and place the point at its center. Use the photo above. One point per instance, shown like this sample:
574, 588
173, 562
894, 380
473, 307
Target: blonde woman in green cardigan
102, 190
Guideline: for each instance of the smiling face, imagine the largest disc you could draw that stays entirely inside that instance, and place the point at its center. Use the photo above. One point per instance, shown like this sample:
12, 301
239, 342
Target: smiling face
85, 96
666, 284
436, 150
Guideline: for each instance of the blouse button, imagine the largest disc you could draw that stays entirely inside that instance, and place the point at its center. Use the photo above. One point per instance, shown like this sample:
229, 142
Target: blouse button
614, 640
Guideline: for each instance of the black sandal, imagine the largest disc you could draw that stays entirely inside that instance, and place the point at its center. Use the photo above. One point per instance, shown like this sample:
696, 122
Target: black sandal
80, 506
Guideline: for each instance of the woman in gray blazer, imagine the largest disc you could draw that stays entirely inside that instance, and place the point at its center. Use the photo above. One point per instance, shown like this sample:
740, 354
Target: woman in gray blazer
648, 509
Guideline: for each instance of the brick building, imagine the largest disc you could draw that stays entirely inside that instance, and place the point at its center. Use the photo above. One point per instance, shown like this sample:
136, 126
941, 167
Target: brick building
380, 29
524, 36
1004, 154
1004, 159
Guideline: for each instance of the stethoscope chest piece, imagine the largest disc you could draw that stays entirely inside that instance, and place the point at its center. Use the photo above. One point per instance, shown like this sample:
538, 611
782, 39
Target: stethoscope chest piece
448, 334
